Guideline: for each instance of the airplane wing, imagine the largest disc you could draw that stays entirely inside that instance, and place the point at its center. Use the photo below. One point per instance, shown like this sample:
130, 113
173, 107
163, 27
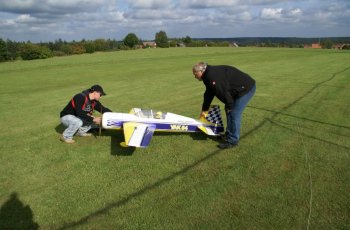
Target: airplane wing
207, 130
138, 134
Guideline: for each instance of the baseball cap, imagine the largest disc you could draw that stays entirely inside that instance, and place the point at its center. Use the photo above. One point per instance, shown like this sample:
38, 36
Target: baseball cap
97, 88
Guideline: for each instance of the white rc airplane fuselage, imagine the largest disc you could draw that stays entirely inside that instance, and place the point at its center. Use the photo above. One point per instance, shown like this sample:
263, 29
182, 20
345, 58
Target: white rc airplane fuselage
140, 124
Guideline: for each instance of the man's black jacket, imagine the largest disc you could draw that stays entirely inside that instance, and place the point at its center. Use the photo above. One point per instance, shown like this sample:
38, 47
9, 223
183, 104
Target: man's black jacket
81, 106
227, 83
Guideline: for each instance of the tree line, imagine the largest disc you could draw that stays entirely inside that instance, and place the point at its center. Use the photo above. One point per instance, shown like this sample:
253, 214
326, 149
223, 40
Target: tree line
11, 50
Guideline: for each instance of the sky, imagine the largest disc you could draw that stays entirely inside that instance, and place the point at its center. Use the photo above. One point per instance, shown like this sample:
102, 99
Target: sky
50, 20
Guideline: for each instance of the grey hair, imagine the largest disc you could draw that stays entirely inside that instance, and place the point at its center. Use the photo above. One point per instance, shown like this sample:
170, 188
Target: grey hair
200, 67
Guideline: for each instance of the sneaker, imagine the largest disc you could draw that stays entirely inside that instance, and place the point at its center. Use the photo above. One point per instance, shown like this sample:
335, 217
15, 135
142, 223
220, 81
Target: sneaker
68, 141
226, 145
84, 134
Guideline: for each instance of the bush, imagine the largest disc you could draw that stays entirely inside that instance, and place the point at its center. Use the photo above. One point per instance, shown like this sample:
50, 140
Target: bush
31, 51
89, 47
59, 53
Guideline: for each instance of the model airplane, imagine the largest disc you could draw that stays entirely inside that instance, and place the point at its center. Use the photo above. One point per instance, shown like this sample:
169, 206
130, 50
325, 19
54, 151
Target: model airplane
140, 124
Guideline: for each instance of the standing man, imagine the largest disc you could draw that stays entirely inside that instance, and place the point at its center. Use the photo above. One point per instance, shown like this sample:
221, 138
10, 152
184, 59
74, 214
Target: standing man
231, 86
78, 117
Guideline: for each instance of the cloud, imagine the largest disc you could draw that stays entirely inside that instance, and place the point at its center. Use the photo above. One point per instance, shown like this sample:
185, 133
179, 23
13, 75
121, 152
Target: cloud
264, 2
25, 18
281, 15
50, 6
149, 4
295, 12
270, 13
115, 16
88, 19
201, 4
153, 15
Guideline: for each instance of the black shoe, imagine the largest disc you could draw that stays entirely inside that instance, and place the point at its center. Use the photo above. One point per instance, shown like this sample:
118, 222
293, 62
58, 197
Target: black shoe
226, 145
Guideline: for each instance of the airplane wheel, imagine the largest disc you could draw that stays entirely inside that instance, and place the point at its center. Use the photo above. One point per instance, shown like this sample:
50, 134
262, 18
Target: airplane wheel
123, 144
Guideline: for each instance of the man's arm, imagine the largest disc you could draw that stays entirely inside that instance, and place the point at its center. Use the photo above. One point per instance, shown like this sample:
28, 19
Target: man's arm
100, 108
207, 99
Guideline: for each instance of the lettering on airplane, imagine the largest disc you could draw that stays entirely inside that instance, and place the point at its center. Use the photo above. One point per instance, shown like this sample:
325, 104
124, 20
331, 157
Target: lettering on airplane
179, 127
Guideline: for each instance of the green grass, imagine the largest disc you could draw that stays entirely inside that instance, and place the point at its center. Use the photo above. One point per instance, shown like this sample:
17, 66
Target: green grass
290, 171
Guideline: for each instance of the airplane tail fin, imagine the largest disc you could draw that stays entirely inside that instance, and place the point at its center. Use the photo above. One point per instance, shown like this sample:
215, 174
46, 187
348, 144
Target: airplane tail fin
214, 117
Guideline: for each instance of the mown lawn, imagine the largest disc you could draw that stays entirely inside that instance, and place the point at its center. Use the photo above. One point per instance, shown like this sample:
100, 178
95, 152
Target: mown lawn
290, 171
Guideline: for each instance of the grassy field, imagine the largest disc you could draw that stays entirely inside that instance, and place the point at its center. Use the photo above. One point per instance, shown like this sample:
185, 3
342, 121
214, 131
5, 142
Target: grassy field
290, 171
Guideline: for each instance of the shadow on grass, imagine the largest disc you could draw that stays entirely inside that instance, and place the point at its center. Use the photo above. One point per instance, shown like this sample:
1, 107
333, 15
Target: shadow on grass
59, 128
117, 137
15, 215
298, 117
196, 136
306, 135
296, 101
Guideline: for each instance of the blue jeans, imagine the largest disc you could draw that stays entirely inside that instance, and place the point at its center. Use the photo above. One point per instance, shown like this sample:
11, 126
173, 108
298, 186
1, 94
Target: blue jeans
74, 125
234, 117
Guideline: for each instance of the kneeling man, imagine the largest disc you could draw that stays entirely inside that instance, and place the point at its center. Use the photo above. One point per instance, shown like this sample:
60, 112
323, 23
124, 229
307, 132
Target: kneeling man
78, 117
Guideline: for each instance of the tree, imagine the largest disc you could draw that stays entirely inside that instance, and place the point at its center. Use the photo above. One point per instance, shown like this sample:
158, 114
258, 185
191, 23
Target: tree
131, 40
12, 49
4, 54
327, 44
187, 40
162, 39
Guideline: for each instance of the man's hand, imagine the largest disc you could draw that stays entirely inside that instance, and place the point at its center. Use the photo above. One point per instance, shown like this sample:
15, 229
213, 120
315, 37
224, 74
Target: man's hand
97, 120
202, 114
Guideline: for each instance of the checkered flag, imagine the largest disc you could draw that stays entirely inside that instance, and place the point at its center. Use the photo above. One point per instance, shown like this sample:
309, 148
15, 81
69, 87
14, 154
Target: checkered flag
214, 115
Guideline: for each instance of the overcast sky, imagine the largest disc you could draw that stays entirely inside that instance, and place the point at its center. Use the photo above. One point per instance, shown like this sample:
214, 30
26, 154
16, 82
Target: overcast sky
48, 20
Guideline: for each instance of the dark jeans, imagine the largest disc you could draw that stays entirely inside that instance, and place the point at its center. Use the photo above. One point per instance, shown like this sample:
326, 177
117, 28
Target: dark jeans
234, 117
